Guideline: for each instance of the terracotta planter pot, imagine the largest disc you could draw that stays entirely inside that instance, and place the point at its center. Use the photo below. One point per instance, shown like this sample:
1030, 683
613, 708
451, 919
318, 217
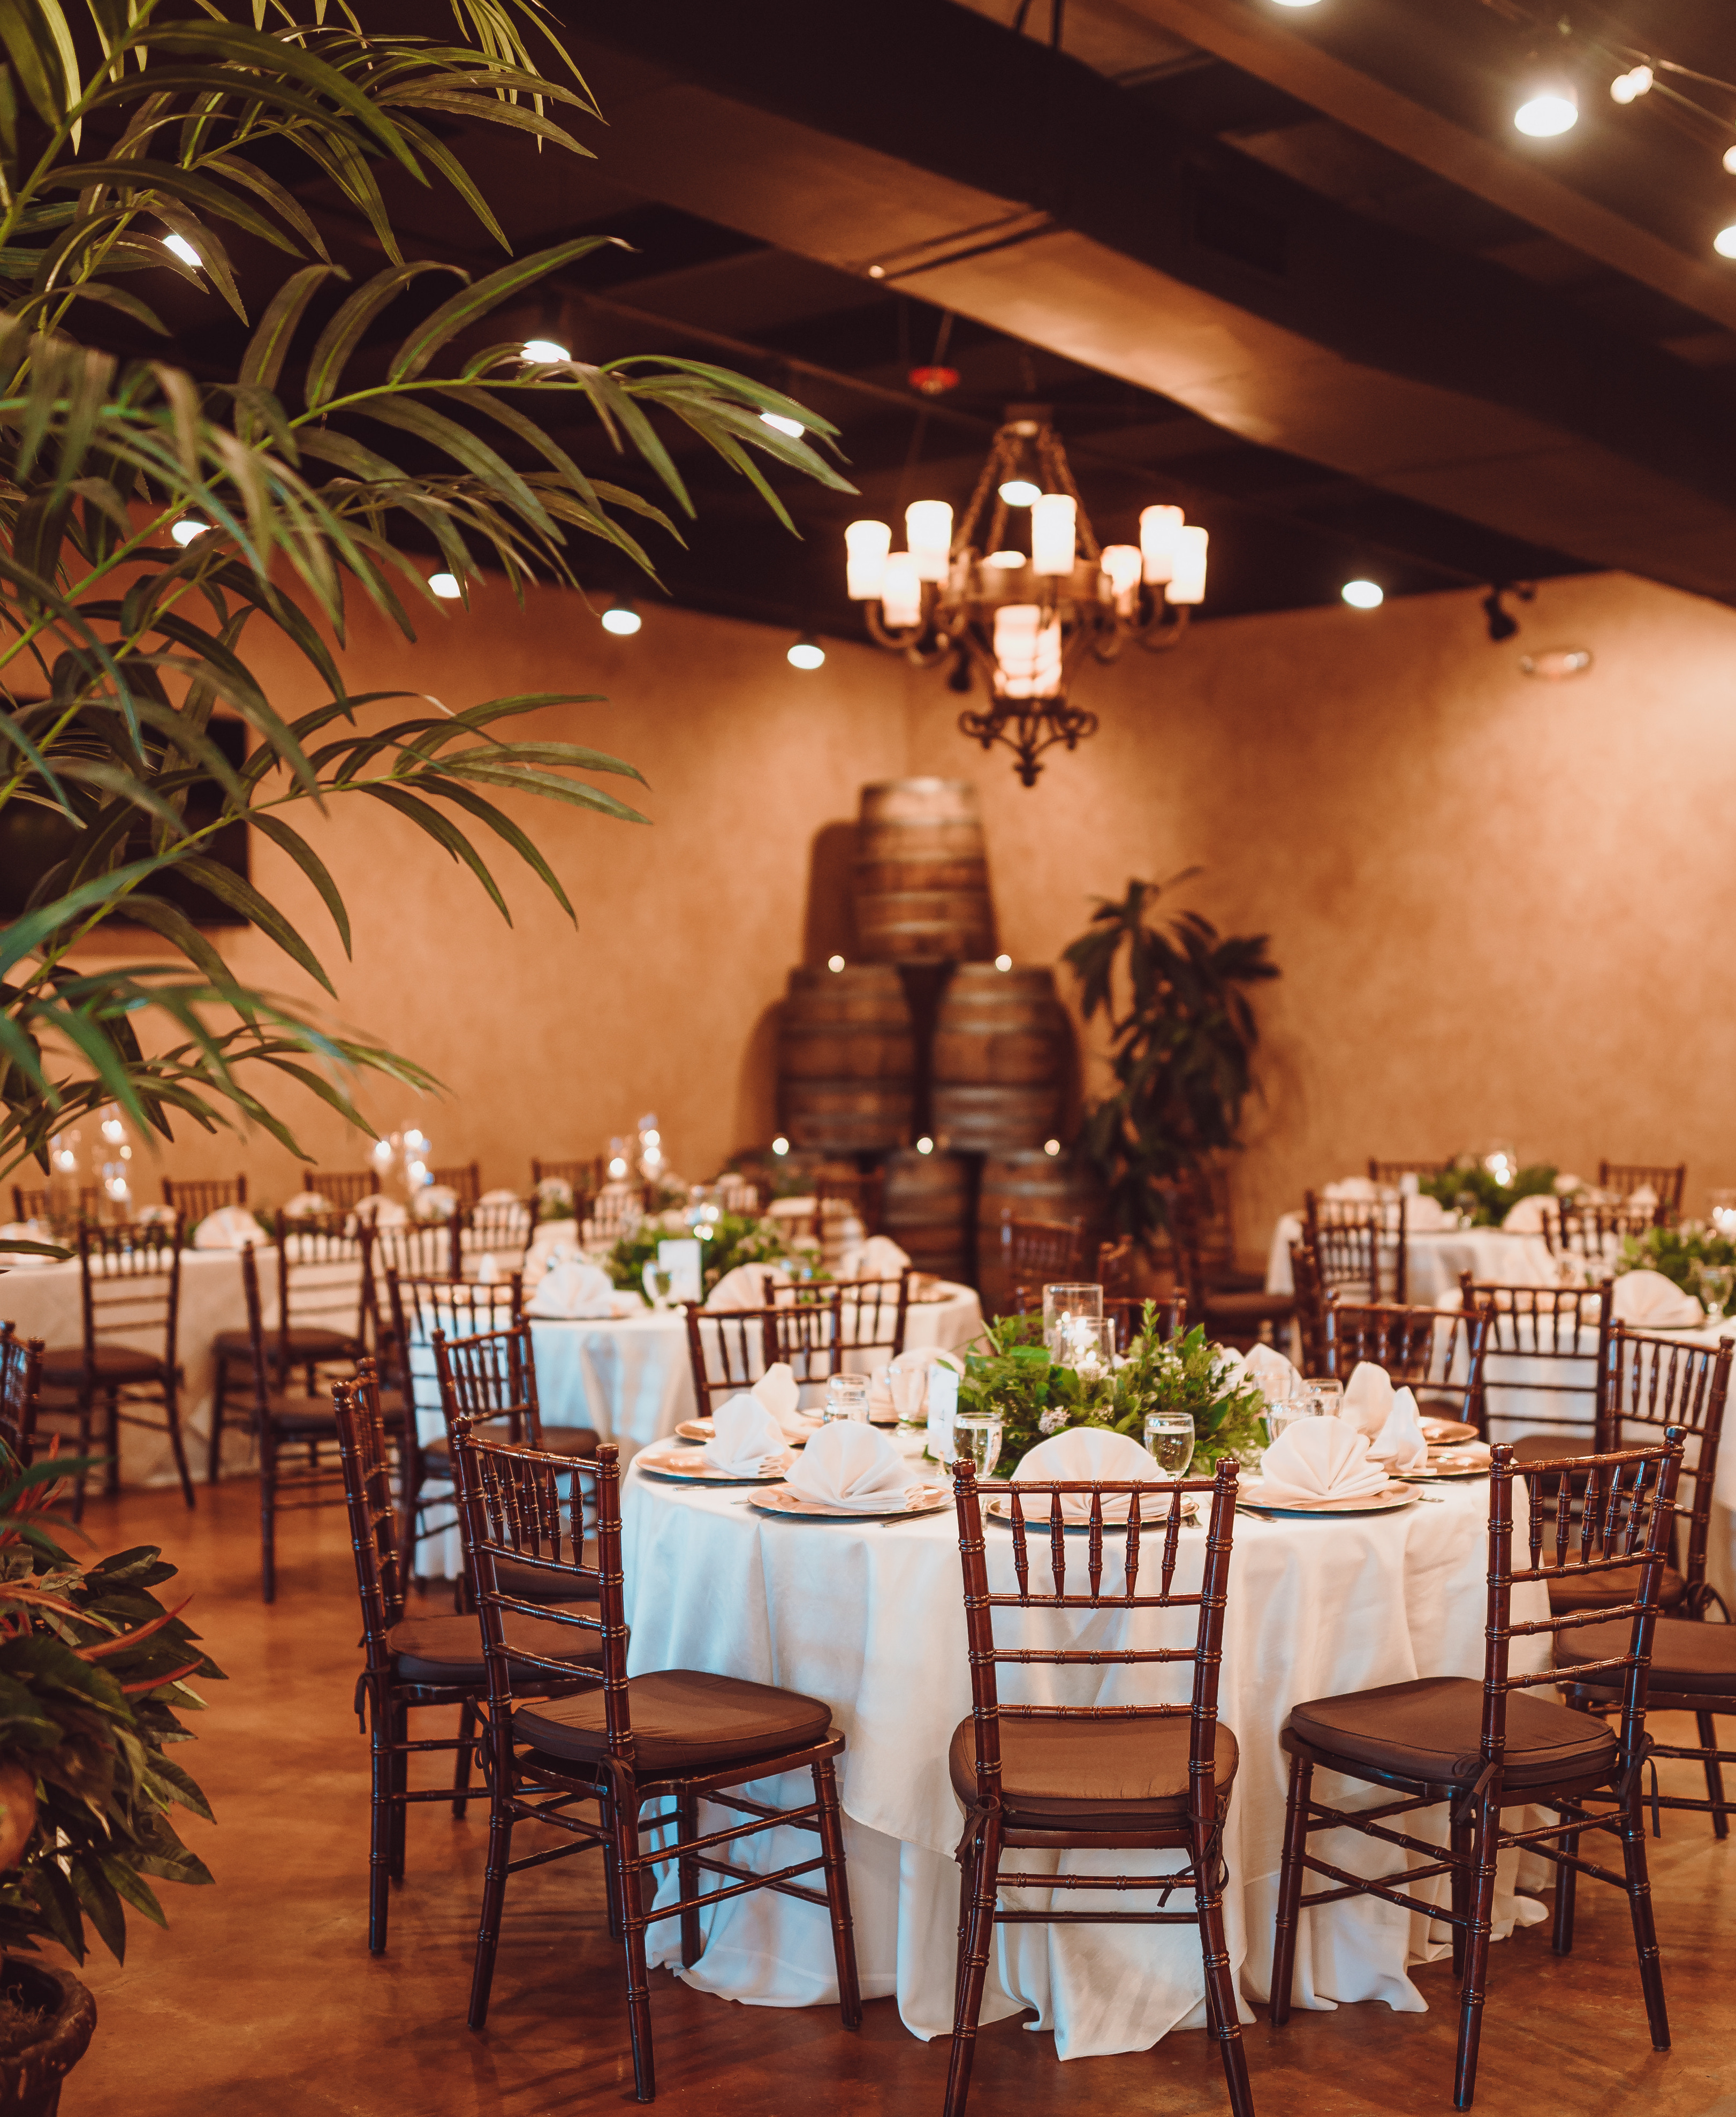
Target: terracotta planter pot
29, 2080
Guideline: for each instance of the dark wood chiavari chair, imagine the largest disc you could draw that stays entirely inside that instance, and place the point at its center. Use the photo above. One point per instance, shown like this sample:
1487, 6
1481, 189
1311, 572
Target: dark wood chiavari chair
1047, 1777
31, 1202
1359, 1245
699, 1736
730, 1349
1117, 1263
414, 1249
583, 1178
863, 1195
500, 1228
20, 1388
1037, 1253
1390, 1174
321, 1262
129, 1310
1666, 1181
1649, 1381
195, 1198
1434, 1353
1594, 1234
462, 1178
295, 1431
1310, 1307
1541, 1360
874, 1314
1238, 1314
409, 1662
342, 1188
1474, 1744
417, 1304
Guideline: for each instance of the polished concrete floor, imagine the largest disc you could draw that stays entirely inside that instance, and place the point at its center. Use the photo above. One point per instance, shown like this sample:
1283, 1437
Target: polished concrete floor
261, 1997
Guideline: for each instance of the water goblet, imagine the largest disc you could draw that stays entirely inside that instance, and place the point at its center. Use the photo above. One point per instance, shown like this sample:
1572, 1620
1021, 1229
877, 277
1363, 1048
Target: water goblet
1323, 1394
976, 1435
1169, 1440
846, 1397
1715, 1290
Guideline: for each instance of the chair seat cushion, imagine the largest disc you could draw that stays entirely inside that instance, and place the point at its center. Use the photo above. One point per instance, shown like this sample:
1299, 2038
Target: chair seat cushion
1685, 1656
1430, 1729
449, 1649
64, 1365
307, 1342
1605, 1591
1094, 1775
300, 1414
684, 1721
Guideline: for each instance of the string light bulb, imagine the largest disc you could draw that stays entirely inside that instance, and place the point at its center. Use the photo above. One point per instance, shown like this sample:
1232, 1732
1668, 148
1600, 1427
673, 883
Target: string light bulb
1628, 87
1730, 160
541, 351
1547, 112
177, 245
807, 653
622, 619
1363, 595
793, 428
1724, 240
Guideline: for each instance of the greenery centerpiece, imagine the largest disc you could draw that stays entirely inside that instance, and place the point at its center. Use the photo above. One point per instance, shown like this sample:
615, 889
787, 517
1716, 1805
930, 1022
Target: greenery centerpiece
1181, 1040
1681, 1254
732, 1238
1010, 1371
1464, 1184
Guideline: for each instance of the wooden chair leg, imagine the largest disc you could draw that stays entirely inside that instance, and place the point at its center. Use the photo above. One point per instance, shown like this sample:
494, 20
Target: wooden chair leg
400, 1787
1708, 1730
214, 1446
112, 1441
1220, 1984
1485, 1831
980, 1940
380, 1826
493, 1888
1461, 1845
837, 1893
1639, 1905
624, 1819
1290, 1888
86, 1405
1567, 1879
268, 1516
461, 1764
686, 1873
171, 1415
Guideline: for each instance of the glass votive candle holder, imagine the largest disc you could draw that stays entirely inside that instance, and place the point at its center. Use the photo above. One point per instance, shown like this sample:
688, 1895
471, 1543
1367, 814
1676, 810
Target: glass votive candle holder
1323, 1395
1060, 1303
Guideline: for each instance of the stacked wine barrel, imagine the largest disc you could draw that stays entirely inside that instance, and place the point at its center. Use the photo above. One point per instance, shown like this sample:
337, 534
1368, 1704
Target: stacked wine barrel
928, 1037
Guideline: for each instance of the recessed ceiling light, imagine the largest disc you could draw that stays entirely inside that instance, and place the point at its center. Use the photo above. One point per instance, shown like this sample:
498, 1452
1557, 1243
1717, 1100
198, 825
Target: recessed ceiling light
1729, 160
793, 427
177, 245
1724, 240
186, 530
1363, 595
1020, 492
1548, 113
622, 619
807, 653
539, 350
1298, 4
445, 586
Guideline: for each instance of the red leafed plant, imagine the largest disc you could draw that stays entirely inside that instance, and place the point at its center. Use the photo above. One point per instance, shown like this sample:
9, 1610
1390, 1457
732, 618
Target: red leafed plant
93, 1674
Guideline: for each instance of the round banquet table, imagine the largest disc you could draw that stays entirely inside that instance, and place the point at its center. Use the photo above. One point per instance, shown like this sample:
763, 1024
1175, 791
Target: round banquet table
1434, 1259
870, 1617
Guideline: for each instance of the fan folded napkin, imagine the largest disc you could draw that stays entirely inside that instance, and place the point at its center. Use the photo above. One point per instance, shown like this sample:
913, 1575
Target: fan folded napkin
1352, 1186
1272, 1373
1530, 1217
1368, 1399
1401, 1443
849, 1464
781, 1394
1655, 1303
503, 1196
1424, 1216
879, 1257
574, 1290
746, 1287
305, 1204
746, 1439
230, 1228
1320, 1458
1090, 1452
435, 1202
377, 1210
900, 1388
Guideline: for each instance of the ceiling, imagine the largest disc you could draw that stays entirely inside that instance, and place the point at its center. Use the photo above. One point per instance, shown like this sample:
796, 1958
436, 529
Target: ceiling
1291, 268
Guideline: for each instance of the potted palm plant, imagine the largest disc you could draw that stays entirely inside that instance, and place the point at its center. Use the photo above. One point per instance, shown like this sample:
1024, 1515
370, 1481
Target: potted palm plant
94, 1675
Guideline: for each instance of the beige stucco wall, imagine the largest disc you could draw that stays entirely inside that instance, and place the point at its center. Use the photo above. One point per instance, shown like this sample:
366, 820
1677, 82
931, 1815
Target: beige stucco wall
1501, 905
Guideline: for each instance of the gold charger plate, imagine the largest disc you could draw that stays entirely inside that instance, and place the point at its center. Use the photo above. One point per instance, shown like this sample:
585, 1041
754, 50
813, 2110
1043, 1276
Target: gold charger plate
1448, 1463
703, 1430
1446, 1432
1392, 1496
1037, 1521
687, 1466
925, 1500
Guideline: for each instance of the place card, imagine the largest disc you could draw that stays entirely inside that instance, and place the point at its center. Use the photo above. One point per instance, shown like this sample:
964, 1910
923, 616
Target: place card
679, 1257
943, 1408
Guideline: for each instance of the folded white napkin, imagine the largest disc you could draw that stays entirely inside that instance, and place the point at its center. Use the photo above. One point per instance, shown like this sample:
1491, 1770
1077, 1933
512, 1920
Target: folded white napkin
880, 1257
551, 1235
1530, 1217
849, 1464
780, 1393
230, 1228
1267, 1366
573, 1289
1368, 1399
748, 1286
1091, 1452
901, 1386
380, 1211
1401, 1443
793, 1209
503, 1196
1655, 1303
304, 1204
1424, 1216
1565, 1185
745, 1438
1644, 1199
435, 1202
1352, 1186
1320, 1458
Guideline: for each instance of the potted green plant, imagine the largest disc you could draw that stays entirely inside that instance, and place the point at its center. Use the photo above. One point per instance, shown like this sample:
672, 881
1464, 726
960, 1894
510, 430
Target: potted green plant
94, 1677
1011, 1371
1181, 1040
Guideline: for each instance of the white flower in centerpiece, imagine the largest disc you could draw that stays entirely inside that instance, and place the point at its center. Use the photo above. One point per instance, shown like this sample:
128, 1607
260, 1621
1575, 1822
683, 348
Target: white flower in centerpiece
1053, 1419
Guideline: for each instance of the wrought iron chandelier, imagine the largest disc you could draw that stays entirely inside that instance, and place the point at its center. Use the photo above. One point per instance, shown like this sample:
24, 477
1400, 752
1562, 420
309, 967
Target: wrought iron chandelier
1026, 618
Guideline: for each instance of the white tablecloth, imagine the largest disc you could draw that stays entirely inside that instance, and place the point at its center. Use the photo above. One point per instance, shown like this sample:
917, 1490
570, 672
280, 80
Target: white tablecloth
1434, 1262
870, 1619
